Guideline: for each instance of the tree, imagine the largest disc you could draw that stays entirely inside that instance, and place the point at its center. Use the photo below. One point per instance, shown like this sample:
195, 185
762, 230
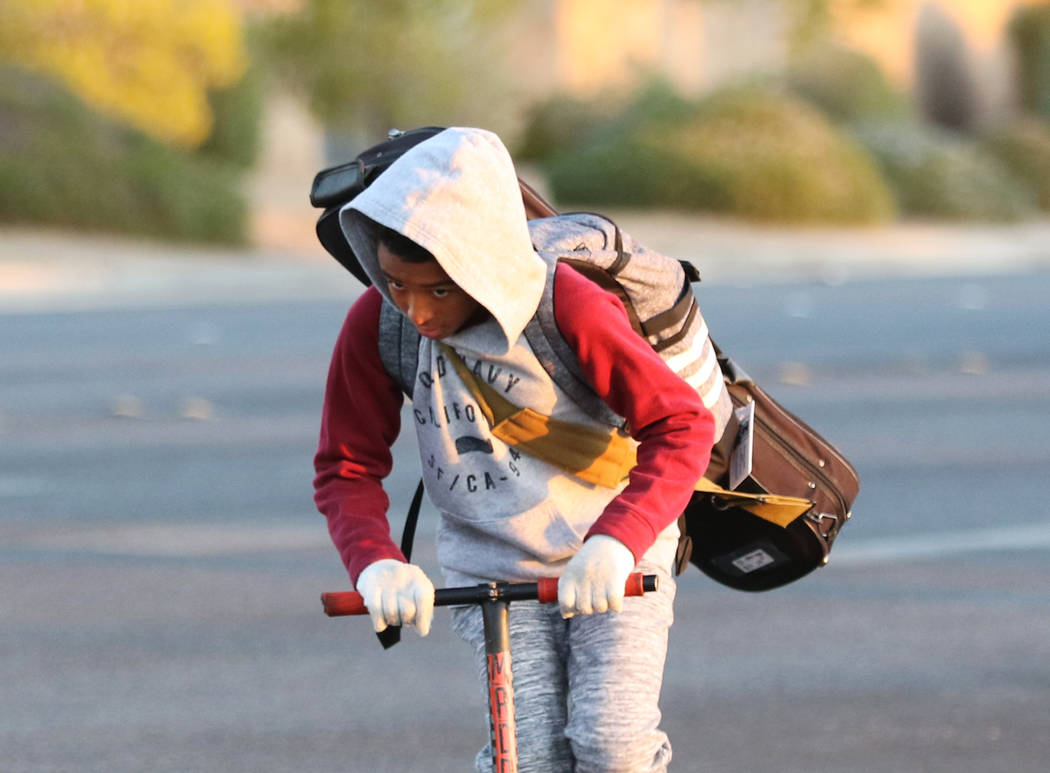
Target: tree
373, 65
148, 62
1030, 34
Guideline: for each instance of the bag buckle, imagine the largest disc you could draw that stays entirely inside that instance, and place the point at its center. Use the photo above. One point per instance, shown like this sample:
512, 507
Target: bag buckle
819, 518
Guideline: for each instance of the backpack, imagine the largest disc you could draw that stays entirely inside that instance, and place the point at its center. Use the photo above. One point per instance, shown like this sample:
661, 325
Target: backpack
755, 523
655, 291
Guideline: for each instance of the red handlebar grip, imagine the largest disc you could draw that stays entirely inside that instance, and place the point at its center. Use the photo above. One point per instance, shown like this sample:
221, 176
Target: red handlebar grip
547, 587
343, 603
547, 590
635, 584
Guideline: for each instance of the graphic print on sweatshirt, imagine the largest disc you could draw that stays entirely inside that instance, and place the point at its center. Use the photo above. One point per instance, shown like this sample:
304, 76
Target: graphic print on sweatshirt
472, 475
463, 458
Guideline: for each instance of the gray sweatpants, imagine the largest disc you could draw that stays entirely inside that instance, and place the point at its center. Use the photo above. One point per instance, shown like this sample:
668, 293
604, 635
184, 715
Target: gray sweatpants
586, 689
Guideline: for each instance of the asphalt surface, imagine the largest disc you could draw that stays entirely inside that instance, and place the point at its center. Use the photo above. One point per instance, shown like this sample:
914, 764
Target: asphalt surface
161, 560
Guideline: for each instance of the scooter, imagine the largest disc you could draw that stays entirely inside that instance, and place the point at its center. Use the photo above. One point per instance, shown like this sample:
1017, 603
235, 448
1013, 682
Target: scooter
494, 598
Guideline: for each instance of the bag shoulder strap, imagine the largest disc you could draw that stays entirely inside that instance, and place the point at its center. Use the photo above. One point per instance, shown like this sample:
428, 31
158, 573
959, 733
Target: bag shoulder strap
391, 635
603, 457
399, 351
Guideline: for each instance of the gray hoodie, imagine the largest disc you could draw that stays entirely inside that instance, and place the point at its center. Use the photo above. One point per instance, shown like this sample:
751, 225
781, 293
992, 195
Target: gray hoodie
457, 195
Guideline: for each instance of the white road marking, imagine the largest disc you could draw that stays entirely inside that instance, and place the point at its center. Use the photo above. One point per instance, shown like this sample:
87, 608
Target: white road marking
938, 545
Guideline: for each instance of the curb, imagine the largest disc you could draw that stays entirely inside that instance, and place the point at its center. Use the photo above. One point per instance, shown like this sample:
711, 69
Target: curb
43, 270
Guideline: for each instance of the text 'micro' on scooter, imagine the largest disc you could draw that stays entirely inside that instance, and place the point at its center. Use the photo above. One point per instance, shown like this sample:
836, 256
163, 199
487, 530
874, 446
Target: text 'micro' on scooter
494, 598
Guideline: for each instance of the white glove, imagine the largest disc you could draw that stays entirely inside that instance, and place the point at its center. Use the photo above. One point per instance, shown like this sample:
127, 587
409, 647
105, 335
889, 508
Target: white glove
594, 578
397, 593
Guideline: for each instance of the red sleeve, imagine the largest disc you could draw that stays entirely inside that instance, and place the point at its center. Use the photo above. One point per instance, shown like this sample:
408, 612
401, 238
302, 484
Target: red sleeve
360, 420
667, 417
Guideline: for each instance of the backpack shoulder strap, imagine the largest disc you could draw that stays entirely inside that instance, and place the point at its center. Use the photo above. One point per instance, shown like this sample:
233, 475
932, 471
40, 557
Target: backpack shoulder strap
399, 352
559, 359
398, 346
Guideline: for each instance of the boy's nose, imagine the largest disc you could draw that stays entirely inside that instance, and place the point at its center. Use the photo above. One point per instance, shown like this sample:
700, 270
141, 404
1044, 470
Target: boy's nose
419, 311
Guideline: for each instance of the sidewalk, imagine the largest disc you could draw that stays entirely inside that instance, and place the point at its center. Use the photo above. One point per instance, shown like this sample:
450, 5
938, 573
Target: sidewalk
733, 252
67, 271
54, 270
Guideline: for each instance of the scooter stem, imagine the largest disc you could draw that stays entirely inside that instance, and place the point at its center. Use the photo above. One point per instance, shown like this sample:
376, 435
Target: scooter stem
494, 615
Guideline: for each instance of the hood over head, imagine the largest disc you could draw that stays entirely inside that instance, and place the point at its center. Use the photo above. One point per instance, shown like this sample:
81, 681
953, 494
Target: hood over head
457, 195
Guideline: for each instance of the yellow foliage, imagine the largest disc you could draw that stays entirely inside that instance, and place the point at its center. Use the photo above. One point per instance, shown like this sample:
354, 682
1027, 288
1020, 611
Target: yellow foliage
149, 62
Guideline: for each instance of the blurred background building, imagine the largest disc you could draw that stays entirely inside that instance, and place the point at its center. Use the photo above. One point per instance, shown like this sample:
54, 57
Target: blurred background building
702, 45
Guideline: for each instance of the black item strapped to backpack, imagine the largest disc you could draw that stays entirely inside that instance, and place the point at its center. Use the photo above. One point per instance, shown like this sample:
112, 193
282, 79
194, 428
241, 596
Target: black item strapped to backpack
776, 493
335, 186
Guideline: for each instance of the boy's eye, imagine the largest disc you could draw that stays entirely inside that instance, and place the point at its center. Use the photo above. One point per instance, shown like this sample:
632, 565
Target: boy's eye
440, 292
395, 285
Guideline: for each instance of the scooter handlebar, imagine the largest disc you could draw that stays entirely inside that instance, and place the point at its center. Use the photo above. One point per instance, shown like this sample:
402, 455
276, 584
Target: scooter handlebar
545, 590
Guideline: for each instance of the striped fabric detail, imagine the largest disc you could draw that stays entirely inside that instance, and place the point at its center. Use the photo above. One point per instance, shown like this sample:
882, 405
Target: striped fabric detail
698, 365
711, 389
707, 380
679, 362
700, 377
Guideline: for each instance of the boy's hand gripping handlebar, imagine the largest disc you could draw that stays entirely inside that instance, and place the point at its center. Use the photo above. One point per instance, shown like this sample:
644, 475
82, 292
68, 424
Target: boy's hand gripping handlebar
545, 590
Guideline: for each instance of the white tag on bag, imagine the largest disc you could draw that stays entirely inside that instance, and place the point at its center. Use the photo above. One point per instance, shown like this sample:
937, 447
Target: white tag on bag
741, 462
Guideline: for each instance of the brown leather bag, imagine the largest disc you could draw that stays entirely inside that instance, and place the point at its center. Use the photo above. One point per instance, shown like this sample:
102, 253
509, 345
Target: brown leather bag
747, 540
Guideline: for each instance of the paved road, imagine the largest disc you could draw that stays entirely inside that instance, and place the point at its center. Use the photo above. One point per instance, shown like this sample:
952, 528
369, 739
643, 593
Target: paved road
160, 558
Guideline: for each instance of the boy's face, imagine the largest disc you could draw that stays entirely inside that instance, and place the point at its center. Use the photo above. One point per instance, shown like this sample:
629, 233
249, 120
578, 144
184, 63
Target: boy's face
425, 294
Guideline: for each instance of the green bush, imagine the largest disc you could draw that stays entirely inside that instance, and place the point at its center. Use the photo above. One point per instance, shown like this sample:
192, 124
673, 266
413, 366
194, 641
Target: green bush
63, 164
1024, 148
845, 84
560, 122
1029, 31
565, 123
938, 174
752, 152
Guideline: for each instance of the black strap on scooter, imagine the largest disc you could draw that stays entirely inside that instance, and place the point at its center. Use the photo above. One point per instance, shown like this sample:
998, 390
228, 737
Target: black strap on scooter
392, 634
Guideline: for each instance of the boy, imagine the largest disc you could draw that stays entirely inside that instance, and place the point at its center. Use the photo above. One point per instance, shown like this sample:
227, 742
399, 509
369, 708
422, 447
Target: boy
442, 234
